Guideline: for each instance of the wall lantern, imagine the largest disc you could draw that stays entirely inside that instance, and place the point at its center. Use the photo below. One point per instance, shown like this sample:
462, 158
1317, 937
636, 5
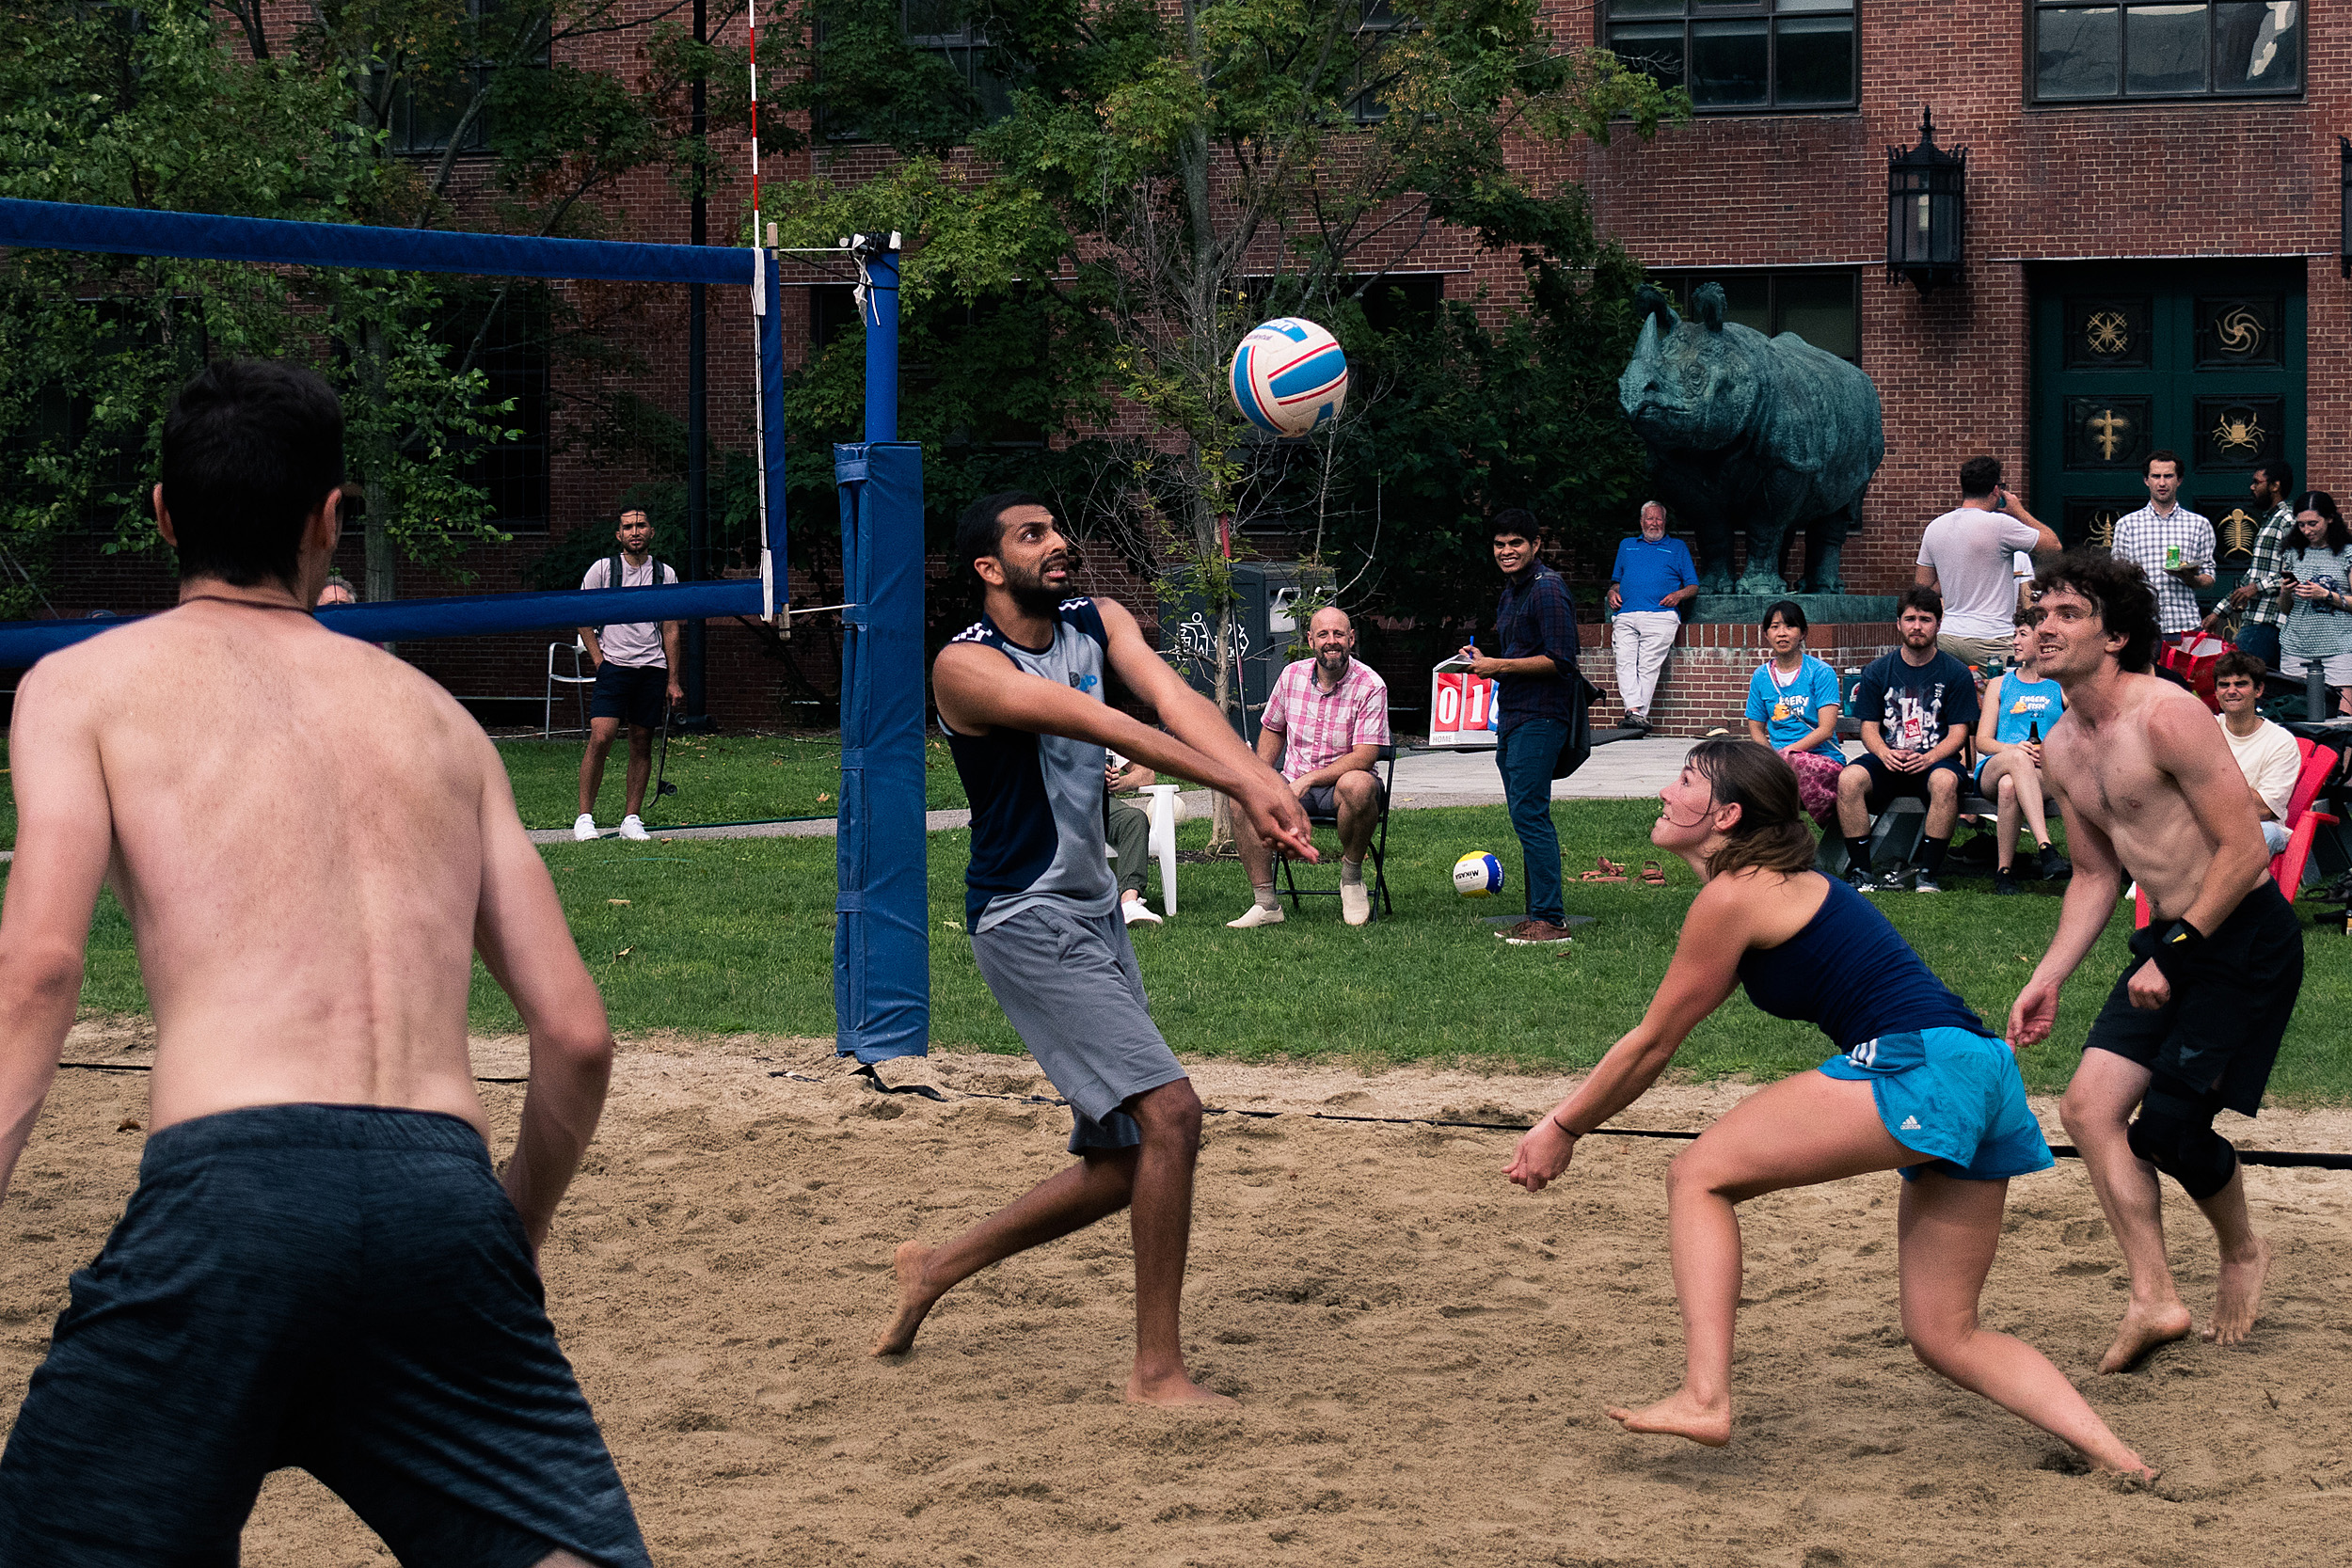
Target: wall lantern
1927, 210
2343, 208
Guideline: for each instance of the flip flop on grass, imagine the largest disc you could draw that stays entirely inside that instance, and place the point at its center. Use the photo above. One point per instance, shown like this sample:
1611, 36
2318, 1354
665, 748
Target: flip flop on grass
1606, 870
1652, 876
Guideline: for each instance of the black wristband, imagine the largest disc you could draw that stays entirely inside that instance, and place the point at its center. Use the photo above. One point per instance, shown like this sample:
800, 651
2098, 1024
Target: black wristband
2170, 947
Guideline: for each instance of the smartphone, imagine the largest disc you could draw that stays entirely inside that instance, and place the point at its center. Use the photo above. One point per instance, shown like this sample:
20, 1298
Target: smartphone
2000, 497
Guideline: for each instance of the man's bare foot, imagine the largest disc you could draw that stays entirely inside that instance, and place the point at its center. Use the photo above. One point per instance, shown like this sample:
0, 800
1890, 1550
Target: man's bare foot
2143, 1329
2238, 1300
1680, 1415
916, 1300
1172, 1391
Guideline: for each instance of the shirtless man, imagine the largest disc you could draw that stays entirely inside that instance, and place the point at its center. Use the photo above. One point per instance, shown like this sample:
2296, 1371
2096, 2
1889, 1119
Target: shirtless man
1020, 694
2193, 1025
319, 1267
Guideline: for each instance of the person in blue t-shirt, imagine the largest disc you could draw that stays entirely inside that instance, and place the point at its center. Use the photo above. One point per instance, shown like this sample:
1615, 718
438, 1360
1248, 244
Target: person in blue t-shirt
1792, 707
1917, 1084
1653, 574
1917, 705
2021, 707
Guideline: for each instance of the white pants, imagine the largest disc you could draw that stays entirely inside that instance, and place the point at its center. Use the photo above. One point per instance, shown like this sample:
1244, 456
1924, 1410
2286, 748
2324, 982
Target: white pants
1643, 638
2275, 837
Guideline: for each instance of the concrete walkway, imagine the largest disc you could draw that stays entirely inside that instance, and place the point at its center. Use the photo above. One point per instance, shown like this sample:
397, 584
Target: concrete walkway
1626, 769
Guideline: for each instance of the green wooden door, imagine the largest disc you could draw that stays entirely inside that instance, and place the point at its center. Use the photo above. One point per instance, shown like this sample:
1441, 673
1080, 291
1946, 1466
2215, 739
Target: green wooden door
2129, 357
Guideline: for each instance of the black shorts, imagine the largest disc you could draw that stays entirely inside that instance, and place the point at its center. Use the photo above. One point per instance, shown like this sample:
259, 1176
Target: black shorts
1887, 785
636, 694
1323, 801
340, 1288
2231, 1003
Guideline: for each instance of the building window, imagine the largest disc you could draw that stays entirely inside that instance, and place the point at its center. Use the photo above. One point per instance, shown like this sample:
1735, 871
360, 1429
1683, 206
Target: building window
948, 29
514, 360
2217, 48
1378, 24
1742, 56
1821, 305
421, 116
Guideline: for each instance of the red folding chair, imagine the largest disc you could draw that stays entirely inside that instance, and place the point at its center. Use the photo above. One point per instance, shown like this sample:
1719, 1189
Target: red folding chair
2286, 866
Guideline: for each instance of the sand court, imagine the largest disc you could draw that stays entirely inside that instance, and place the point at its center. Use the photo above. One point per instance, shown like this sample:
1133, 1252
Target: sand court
1422, 1350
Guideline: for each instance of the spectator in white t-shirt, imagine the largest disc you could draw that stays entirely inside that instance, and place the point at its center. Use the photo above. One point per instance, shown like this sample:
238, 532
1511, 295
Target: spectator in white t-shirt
1966, 555
2266, 754
636, 677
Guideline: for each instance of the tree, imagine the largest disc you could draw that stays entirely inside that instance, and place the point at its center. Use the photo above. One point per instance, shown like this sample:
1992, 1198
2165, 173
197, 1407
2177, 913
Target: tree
1169, 173
357, 114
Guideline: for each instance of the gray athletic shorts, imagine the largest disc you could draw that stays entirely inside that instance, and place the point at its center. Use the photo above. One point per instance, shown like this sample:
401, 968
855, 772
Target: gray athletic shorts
1070, 987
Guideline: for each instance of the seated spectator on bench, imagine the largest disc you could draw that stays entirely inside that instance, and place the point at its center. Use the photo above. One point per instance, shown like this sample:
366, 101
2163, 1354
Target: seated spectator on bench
1128, 827
1324, 724
1917, 705
2317, 570
2019, 709
1792, 707
2266, 754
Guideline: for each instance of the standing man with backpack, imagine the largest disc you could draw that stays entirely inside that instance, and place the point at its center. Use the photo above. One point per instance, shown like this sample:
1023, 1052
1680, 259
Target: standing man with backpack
636, 664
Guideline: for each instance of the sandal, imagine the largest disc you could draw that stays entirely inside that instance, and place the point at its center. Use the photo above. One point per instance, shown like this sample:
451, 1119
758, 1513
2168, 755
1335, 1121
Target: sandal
1652, 876
1606, 870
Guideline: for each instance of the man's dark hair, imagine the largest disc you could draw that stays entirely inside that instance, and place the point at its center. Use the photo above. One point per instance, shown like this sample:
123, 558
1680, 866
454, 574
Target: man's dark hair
2119, 590
2336, 536
1517, 520
1920, 597
251, 448
1790, 612
2279, 474
981, 528
2162, 454
1979, 477
2237, 663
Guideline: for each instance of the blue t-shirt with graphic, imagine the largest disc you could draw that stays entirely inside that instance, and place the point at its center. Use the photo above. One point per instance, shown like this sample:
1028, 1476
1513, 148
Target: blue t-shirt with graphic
1789, 707
1913, 705
2024, 706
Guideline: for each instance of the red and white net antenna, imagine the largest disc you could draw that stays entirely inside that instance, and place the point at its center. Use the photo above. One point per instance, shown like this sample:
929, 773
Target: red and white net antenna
760, 309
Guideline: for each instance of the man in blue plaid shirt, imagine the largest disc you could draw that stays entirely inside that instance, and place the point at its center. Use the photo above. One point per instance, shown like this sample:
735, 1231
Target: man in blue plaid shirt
2257, 594
2172, 544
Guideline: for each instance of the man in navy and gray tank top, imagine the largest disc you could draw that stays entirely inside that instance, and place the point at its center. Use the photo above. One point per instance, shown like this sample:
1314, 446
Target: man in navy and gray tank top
1043, 912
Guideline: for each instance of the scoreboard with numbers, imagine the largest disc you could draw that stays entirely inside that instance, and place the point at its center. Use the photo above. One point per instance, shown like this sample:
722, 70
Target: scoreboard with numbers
1461, 706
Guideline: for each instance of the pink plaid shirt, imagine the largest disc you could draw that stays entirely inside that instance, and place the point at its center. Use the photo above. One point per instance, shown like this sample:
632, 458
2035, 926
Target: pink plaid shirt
1319, 727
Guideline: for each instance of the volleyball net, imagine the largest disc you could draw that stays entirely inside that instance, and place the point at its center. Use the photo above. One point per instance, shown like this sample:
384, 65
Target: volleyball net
882, 944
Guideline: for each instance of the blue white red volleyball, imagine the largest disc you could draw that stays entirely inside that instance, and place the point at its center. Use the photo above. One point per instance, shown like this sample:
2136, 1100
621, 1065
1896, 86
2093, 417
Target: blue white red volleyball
1288, 376
1478, 875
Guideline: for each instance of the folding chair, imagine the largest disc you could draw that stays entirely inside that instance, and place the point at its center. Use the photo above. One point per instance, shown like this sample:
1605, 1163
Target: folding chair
578, 682
1385, 768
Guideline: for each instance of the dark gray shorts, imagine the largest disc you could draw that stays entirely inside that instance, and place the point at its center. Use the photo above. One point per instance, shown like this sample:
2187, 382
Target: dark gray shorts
344, 1288
1070, 987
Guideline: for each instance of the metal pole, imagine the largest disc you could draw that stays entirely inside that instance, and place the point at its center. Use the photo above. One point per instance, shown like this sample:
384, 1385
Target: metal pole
696, 716
882, 343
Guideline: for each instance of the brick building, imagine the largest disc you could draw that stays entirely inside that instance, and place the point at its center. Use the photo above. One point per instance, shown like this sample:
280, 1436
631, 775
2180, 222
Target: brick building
2152, 222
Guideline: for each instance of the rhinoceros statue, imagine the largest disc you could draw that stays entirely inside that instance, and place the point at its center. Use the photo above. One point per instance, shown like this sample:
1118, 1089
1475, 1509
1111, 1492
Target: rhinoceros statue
1744, 430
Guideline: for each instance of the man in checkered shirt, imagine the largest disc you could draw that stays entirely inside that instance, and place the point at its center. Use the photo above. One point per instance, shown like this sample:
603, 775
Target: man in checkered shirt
2172, 544
1324, 724
2257, 593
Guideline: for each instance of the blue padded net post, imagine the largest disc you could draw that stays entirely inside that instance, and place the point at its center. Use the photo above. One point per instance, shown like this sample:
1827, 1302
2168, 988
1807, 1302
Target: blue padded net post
882, 969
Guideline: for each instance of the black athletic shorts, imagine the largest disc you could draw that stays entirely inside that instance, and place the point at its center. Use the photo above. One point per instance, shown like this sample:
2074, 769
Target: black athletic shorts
636, 694
338, 1288
1887, 785
2231, 1002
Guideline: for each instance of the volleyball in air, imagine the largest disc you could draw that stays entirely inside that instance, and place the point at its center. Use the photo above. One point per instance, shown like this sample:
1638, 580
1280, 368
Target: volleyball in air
1288, 376
1478, 875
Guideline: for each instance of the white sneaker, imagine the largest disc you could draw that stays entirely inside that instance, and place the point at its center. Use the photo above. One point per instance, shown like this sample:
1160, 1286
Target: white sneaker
1355, 903
1134, 912
1257, 914
632, 827
584, 827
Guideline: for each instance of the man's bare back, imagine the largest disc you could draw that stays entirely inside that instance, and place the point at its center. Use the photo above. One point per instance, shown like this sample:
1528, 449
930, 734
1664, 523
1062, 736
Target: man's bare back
299, 833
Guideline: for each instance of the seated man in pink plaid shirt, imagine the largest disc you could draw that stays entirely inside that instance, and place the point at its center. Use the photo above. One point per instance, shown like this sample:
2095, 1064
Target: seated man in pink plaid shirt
1324, 726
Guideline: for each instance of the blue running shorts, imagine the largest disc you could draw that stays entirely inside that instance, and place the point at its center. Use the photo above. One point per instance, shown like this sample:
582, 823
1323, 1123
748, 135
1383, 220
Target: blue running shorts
1953, 1095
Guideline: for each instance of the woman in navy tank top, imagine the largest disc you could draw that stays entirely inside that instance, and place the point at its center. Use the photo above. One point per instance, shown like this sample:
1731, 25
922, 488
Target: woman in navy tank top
1917, 1085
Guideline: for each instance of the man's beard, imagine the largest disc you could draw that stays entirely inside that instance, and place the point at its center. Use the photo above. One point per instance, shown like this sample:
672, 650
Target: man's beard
1334, 664
1030, 595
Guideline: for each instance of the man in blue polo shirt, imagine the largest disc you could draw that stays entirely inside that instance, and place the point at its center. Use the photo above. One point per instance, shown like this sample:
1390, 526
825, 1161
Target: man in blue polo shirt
1536, 693
1652, 575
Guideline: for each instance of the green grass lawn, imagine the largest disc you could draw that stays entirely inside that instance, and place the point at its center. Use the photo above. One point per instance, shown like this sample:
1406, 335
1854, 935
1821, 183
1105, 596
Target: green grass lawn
736, 935
718, 779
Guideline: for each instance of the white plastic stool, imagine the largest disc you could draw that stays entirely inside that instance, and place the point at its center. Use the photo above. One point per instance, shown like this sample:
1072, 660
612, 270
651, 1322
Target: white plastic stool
1162, 843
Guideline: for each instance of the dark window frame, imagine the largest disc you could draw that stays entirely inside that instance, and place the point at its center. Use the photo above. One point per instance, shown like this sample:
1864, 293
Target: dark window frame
1695, 12
1679, 281
2036, 9
1376, 17
965, 50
